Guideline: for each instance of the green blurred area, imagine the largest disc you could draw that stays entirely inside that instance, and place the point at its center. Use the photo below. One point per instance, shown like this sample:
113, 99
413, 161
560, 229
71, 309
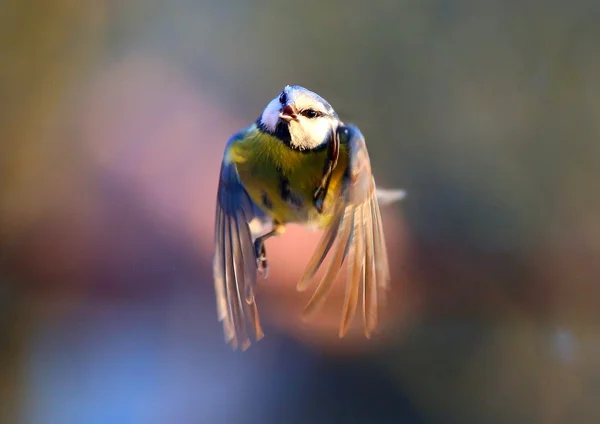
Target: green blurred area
485, 112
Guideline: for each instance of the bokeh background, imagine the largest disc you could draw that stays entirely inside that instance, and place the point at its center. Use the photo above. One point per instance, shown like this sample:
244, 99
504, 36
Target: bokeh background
114, 116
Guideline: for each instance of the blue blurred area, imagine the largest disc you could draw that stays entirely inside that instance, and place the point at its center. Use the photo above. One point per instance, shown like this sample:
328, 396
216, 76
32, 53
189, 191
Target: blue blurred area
122, 365
114, 119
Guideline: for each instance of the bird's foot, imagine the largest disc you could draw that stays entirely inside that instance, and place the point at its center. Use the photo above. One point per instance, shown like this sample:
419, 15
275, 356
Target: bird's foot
261, 258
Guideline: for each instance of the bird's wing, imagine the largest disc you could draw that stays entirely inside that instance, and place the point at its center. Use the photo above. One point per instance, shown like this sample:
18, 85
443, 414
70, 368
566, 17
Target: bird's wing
234, 265
356, 233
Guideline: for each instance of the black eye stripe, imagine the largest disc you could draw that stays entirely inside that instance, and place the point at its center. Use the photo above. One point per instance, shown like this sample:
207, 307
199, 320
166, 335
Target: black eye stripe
283, 98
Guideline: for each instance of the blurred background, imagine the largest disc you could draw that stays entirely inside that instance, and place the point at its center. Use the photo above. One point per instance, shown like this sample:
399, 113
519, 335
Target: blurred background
113, 121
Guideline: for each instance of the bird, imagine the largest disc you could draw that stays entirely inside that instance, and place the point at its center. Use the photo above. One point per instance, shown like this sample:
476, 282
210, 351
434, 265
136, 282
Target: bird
298, 163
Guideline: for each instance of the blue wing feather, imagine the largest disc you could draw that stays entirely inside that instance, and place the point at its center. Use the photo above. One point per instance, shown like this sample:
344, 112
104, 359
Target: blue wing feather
235, 260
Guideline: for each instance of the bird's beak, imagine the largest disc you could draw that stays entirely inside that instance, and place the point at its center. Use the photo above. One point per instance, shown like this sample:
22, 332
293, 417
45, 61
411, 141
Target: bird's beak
288, 113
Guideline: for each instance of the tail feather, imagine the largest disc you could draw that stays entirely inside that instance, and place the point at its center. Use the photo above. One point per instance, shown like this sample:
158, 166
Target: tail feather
389, 196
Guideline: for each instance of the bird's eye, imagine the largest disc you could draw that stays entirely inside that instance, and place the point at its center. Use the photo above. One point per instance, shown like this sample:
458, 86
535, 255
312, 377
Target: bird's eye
283, 98
310, 113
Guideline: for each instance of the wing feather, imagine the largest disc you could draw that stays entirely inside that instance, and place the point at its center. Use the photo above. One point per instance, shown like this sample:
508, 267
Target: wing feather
356, 229
370, 298
339, 254
381, 256
355, 272
234, 266
249, 268
321, 250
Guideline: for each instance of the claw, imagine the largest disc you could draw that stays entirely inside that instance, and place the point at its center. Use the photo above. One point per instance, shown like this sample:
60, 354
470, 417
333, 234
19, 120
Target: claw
261, 258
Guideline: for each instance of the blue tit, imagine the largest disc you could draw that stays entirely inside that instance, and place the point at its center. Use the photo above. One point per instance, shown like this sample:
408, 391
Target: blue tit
298, 163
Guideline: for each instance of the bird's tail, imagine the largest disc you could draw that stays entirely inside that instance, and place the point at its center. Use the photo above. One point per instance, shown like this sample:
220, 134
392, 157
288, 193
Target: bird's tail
388, 196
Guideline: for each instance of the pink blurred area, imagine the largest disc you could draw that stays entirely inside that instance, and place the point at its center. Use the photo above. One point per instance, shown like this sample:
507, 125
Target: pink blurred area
143, 144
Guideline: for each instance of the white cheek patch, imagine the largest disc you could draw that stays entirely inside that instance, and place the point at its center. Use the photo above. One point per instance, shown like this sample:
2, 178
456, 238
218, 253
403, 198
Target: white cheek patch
320, 129
310, 133
270, 116
296, 131
317, 129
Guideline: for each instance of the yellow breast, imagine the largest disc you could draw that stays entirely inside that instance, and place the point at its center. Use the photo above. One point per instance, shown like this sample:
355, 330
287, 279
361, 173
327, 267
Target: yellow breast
282, 181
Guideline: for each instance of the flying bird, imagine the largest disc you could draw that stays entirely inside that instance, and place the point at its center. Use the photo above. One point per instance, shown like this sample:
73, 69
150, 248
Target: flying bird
298, 163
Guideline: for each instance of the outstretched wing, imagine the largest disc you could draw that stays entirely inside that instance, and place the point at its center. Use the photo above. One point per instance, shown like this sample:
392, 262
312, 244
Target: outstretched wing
356, 233
234, 264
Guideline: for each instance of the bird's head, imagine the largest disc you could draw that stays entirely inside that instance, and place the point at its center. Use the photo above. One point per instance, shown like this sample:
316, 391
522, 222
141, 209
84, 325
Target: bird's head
299, 117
